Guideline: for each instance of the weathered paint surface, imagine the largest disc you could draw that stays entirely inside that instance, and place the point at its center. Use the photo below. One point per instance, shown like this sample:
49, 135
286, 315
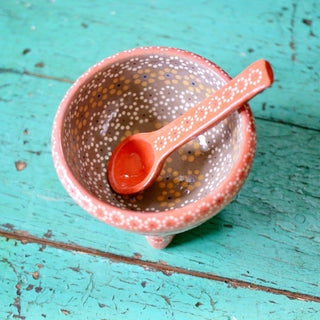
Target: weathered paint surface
275, 215
269, 236
43, 282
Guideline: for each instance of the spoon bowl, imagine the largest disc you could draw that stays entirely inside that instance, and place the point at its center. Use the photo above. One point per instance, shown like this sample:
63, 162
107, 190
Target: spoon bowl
133, 165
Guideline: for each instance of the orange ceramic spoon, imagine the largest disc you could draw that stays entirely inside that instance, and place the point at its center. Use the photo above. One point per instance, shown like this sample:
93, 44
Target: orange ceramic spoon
137, 161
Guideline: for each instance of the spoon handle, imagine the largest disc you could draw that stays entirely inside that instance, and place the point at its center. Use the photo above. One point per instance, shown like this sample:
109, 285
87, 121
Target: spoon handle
251, 81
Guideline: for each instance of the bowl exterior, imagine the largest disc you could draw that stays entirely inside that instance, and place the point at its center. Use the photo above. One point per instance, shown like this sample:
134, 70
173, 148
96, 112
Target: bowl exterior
166, 222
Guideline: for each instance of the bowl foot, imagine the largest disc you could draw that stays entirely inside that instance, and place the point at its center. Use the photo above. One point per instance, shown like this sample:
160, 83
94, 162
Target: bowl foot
159, 242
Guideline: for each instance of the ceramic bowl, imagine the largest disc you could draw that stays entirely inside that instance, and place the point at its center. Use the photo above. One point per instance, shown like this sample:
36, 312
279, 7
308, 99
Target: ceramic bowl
141, 90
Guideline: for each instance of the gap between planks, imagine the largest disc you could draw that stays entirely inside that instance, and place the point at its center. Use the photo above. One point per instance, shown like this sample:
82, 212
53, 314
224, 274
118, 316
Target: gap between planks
25, 238
38, 75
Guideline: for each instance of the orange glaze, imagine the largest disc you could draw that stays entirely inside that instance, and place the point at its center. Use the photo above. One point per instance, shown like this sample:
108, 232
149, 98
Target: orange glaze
132, 163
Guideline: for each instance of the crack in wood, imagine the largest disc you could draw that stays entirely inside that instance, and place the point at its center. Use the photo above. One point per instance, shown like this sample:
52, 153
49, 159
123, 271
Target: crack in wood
38, 75
46, 77
292, 36
286, 123
164, 268
17, 300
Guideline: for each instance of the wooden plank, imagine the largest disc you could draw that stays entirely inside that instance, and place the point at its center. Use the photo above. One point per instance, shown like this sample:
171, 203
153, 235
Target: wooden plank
268, 236
231, 34
44, 282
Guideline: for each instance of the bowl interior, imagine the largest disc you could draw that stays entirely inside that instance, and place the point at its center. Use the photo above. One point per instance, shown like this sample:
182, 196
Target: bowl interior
142, 94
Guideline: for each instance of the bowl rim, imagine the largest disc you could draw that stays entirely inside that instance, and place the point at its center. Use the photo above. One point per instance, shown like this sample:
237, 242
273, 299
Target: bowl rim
161, 222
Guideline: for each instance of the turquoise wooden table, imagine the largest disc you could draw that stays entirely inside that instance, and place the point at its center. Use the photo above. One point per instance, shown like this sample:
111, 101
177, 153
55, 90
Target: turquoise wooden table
257, 259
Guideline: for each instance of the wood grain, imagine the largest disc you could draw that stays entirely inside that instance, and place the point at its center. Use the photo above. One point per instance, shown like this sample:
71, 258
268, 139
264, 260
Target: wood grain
258, 259
161, 266
54, 283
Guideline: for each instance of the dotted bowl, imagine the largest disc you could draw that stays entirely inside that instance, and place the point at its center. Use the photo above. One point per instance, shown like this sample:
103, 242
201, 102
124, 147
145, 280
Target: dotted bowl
141, 90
